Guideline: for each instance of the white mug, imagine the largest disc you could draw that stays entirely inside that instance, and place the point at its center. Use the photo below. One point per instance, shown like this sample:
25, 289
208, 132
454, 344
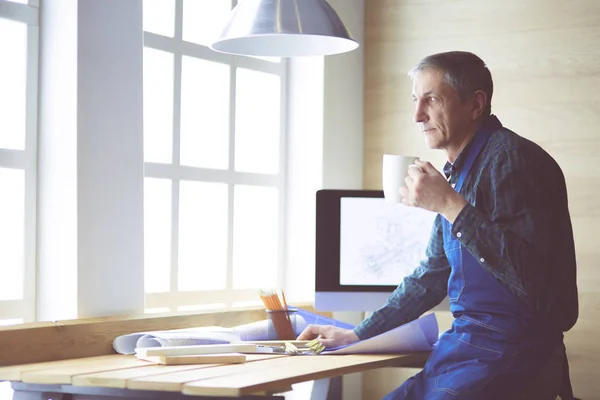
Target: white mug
395, 170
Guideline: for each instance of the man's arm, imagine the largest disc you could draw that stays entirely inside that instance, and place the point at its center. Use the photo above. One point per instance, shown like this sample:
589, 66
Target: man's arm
425, 288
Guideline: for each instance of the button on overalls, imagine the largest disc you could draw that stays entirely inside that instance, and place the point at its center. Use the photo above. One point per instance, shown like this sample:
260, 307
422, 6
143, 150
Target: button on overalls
496, 346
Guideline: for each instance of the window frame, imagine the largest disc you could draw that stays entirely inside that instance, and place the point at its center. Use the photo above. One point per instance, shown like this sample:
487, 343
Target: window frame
26, 160
175, 300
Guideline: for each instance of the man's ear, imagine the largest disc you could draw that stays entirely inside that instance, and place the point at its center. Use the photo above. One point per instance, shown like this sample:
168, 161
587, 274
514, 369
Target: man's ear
479, 103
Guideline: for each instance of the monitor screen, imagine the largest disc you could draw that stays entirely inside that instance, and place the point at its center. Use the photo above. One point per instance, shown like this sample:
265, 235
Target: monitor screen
365, 246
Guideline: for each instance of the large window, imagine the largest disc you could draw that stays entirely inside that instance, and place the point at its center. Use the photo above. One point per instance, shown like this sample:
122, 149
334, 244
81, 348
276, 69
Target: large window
18, 136
214, 162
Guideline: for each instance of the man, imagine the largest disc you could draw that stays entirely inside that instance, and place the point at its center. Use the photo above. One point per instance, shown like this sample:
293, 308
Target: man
501, 249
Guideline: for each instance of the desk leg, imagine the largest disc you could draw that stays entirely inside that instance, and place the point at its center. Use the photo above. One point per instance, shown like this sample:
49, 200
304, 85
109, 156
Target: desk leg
327, 389
34, 395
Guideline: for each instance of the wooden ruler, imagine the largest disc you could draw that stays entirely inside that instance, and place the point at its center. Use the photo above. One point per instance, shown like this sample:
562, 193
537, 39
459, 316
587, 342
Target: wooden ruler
223, 358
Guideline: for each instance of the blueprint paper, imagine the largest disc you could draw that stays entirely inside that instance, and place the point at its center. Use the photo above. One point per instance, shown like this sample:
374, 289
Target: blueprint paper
260, 330
126, 344
417, 335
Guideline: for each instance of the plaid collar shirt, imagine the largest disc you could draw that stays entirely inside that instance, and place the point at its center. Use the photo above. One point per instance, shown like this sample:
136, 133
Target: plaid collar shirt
516, 224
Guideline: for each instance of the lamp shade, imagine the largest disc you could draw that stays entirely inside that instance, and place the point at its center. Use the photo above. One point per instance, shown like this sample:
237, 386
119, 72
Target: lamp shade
284, 28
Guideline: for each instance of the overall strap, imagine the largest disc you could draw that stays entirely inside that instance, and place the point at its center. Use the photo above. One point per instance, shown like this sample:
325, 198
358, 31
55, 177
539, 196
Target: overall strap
480, 139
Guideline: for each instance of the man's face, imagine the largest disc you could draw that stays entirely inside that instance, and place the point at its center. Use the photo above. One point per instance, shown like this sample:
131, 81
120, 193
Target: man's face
442, 117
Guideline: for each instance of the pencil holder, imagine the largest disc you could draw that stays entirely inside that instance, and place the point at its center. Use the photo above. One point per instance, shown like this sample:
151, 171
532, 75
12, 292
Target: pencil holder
282, 324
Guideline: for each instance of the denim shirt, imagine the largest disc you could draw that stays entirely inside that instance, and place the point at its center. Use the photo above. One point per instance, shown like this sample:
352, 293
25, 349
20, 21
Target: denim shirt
517, 224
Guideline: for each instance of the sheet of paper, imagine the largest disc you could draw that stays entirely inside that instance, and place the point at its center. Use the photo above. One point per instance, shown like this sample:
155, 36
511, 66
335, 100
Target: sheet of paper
417, 335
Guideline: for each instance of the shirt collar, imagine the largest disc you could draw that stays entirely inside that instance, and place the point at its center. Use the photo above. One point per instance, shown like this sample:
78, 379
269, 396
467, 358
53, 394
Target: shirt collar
491, 124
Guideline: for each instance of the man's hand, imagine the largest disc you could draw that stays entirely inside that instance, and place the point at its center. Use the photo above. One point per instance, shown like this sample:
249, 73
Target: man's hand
427, 188
330, 336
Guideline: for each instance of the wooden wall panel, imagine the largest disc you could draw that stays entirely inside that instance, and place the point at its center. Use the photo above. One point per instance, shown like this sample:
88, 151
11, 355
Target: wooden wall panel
545, 60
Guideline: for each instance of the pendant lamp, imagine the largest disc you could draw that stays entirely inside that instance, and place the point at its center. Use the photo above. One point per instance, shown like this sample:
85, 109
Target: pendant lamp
284, 28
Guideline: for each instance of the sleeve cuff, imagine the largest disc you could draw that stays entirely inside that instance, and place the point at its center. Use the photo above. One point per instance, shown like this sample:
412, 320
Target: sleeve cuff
360, 331
466, 224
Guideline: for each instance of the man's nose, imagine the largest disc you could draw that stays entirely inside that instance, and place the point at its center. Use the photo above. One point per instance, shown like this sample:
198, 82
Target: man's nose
420, 114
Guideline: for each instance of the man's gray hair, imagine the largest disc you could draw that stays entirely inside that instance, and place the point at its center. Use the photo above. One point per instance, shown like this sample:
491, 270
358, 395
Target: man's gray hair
463, 71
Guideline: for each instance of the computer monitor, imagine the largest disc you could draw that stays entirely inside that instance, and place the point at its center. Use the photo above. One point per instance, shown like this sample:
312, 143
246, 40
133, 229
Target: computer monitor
365, 246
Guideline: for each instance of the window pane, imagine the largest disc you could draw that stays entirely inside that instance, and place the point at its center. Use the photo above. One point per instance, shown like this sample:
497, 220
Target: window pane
157, 235
198, 307
12, 233
202, 236
255, 236
6, 322
158, 106
159, 17
257, 127
203, 20
204, 113
13, 70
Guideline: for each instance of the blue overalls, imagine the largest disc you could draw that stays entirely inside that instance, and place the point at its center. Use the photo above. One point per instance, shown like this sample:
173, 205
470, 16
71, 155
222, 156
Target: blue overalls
496, 346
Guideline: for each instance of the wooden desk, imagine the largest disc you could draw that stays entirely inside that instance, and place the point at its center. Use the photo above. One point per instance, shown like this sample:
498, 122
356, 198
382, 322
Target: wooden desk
75, 360
119, 376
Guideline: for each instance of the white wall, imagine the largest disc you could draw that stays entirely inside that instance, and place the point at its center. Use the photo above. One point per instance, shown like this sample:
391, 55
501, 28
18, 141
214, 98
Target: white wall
343, 130
110, 161
90, 232
304, 173
57, 162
